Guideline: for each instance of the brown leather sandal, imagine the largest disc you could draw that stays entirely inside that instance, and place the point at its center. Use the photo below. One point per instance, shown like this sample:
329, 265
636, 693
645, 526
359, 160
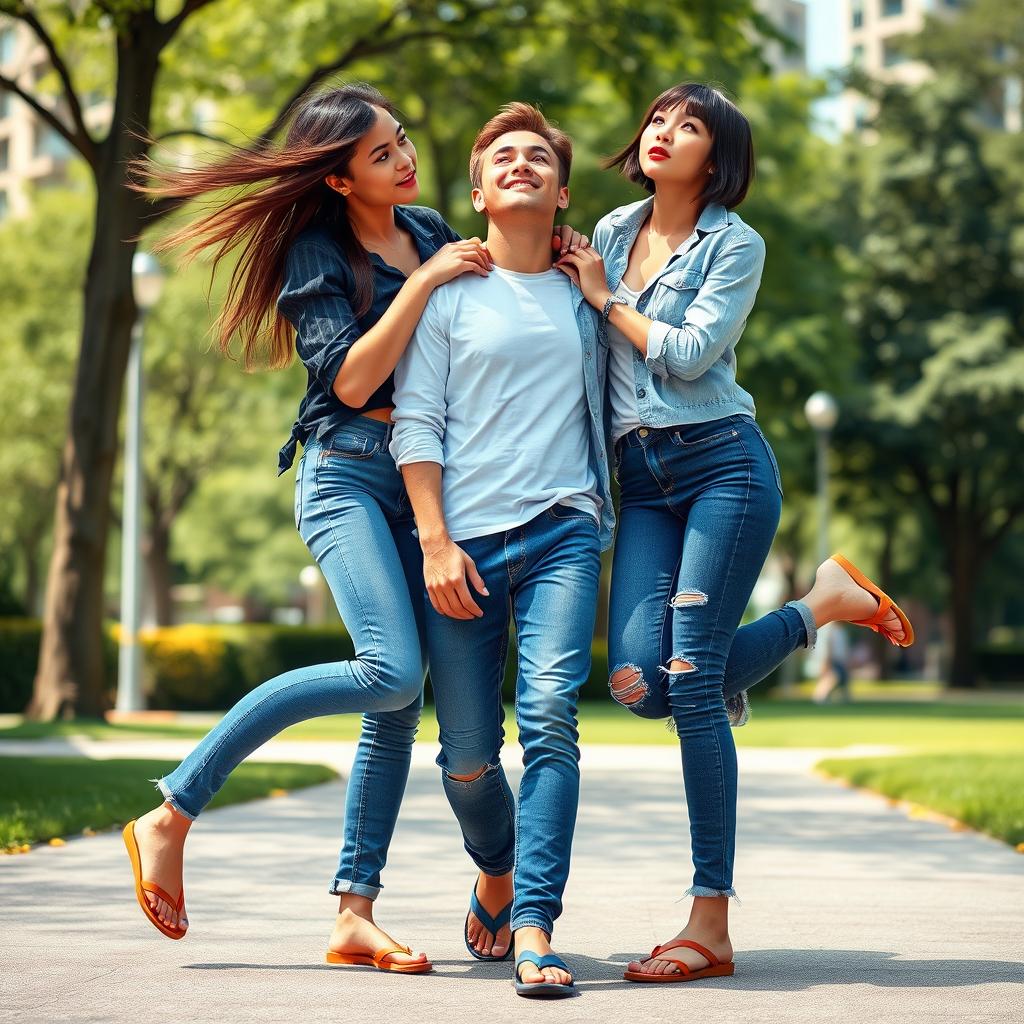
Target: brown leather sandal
714, 969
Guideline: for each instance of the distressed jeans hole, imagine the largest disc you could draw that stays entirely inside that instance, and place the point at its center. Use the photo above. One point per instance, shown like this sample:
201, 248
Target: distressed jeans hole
472, 777
628, 686
688, 599
680, 665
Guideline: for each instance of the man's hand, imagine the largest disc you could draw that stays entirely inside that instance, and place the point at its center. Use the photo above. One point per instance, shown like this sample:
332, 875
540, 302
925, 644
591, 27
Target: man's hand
446, 568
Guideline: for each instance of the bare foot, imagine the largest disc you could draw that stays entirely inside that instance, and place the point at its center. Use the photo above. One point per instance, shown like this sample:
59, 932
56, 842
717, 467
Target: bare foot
836, 597
717, 942
355, 932
494, 894
160, 835
537, 941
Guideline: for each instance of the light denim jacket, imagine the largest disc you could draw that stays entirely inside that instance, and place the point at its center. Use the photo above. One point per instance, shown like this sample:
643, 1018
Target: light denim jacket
421, 403
699, 302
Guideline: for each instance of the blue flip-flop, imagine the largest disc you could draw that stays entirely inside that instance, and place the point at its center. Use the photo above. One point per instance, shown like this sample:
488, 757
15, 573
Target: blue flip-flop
492, 924
542, 989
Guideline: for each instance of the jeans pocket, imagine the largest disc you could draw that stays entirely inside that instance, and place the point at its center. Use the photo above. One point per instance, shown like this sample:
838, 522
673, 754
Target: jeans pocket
349, 443
704, 435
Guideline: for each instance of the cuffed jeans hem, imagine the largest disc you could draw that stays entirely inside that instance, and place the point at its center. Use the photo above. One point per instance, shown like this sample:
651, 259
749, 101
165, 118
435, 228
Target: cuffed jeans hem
809, 624
703, 890
341, 886
169, 798
531, 922
495, 872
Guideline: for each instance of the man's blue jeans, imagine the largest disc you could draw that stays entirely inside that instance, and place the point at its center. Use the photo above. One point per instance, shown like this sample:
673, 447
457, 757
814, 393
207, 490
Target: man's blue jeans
352, 511
700, 504
545, 574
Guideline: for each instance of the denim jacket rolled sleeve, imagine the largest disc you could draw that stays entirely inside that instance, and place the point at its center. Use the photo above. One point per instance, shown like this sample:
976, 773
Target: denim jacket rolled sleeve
714, 320
421, 382
315, 300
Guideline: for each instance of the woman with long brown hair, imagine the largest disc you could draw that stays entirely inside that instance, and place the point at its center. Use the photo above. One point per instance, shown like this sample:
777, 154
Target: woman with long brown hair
333, 260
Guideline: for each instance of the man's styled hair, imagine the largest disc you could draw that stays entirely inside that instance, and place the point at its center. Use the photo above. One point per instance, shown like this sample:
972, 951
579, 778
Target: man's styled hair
732, 147
520, 117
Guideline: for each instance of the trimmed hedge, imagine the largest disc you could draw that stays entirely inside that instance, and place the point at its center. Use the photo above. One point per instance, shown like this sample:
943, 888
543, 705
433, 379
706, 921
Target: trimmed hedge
19, 655
210, 667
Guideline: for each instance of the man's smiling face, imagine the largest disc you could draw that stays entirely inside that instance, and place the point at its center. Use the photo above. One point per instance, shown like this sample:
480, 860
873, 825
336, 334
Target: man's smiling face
520, 173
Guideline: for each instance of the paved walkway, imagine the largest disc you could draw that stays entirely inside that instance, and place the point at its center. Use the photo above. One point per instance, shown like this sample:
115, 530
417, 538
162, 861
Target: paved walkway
851, 912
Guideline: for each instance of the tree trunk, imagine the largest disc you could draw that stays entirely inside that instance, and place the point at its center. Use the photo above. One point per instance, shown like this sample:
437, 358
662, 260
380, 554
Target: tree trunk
30, 554
157, 548
963, 574
442, 180
70, 677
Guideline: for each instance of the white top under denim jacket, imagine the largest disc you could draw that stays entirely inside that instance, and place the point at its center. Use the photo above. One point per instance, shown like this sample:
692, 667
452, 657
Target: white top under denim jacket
699, 303
513, 413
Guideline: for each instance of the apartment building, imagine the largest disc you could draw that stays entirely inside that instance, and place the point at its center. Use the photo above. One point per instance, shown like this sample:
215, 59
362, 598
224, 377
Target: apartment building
32, 154
790, 17
871, 32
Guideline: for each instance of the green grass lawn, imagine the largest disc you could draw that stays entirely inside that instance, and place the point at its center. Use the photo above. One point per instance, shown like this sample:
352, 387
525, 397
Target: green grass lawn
983, 790
938, 725
982, 785
46, 797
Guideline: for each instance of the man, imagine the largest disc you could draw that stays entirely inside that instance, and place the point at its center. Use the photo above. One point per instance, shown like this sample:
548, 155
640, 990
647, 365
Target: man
498, 431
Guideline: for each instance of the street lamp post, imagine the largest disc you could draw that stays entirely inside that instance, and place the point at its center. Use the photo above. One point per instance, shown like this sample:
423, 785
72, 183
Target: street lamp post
822, 413
148, 280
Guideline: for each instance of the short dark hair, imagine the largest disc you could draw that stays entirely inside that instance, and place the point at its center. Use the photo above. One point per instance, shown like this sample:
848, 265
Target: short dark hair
520, 117
732, 145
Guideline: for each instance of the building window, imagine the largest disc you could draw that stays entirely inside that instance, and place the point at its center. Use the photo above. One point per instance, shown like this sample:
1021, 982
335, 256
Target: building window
8, 44
891, 8
5, 154
892, 55
5, 104
46, 142
858, 14
857, 55
3, 203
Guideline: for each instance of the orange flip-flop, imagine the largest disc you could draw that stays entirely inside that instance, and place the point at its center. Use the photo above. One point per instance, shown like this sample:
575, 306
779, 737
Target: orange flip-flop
142, 887
714, 969
378, 960
885, 605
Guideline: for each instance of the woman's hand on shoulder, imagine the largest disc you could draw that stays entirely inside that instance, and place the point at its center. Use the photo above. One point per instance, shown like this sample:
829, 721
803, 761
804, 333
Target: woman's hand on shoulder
586, 269
567, 239
455, 258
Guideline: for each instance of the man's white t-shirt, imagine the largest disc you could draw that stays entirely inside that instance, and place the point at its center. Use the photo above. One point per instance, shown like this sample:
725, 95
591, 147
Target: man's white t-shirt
492, 388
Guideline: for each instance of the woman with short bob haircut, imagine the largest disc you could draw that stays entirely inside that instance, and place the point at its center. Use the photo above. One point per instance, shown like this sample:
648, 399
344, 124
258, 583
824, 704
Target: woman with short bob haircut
675, 277
336, 264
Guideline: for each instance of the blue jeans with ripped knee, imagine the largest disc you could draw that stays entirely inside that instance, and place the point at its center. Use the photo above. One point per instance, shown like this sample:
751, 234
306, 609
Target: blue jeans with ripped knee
544, 574
699, 508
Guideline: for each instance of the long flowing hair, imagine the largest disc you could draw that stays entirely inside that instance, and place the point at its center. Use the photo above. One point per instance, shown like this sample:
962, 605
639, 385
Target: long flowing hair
278, 190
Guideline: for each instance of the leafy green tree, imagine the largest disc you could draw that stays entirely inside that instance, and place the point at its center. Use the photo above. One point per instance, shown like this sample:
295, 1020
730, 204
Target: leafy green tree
152, 60
123, 50
42, 260
934, 227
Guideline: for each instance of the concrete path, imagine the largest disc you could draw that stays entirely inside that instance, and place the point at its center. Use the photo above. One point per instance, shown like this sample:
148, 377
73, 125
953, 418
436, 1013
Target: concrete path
851, 912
